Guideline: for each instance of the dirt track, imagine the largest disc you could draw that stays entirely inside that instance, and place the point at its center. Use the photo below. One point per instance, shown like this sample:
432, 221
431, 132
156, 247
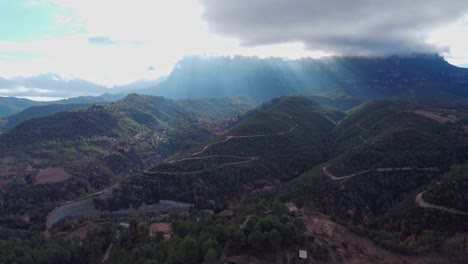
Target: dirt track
191, 156
419, 198
335, 178
421, 203
247, 136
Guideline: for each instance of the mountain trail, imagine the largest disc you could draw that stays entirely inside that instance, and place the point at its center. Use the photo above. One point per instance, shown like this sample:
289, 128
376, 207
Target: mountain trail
247, 136
191, 156
419, 198
421, 203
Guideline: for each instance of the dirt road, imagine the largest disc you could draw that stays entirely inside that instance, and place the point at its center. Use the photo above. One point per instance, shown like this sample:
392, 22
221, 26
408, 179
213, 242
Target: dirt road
335, 178
191, 156
106, 256
247, 136
419, 198
421, 203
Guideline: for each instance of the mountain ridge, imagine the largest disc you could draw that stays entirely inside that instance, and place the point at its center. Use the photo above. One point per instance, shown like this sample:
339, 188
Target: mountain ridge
352, 79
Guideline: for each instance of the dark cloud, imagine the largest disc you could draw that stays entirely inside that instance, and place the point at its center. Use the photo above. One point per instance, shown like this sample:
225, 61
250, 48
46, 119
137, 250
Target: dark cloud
100, 40
363, 27
52, 85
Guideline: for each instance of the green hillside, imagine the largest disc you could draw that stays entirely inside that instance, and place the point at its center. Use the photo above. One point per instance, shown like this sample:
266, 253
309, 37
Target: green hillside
451, 190
11, 105
100, 145
11, 121
389, 170
277, 141
368, 168
387, 155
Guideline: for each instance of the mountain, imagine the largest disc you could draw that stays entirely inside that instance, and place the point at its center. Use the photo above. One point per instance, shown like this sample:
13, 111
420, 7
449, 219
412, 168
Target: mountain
353, 79
107, 97
10, 105
43, 109
54, 85
11, 121
13, 105
68, 154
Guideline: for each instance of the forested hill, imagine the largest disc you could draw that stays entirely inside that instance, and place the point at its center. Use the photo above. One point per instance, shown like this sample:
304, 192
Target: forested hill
347, 78
397, 168
13, 105
277, 141
52, 159
376, 168
10, 105
11, 121
130, 116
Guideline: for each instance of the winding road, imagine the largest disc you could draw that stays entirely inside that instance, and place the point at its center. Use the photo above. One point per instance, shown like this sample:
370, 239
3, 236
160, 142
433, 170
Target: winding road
335, 178
421, 203
419, 198
191, 156
246, 136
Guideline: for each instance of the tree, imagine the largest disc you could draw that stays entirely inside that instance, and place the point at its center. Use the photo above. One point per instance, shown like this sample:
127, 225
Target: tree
255, 239
211, 257
238, 239
275, 238
188, 251
210, 244
152, 261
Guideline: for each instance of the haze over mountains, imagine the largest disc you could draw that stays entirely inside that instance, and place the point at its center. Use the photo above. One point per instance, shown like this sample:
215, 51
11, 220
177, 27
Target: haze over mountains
358, 78
350, 79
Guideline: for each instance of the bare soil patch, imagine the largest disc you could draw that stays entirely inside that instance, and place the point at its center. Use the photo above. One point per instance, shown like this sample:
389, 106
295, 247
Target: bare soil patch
52, 175
351, 248
165, 228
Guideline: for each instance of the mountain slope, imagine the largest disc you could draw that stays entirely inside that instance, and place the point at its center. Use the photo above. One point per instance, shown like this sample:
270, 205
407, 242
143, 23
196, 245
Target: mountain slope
276, 141
10, 105
11, 121
387, 155
69, 154
13, 105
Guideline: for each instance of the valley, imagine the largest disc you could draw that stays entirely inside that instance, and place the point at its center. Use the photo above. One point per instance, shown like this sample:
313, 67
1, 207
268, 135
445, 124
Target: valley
233, 132
145, 177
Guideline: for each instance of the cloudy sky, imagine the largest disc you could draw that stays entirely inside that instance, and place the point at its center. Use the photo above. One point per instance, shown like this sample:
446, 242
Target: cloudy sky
48, 48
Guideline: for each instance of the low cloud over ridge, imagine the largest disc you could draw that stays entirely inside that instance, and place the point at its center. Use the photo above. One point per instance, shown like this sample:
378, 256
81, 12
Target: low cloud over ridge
360, 27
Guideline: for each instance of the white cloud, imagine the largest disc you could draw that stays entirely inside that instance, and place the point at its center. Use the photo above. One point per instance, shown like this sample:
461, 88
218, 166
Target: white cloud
455, 37
157, 33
